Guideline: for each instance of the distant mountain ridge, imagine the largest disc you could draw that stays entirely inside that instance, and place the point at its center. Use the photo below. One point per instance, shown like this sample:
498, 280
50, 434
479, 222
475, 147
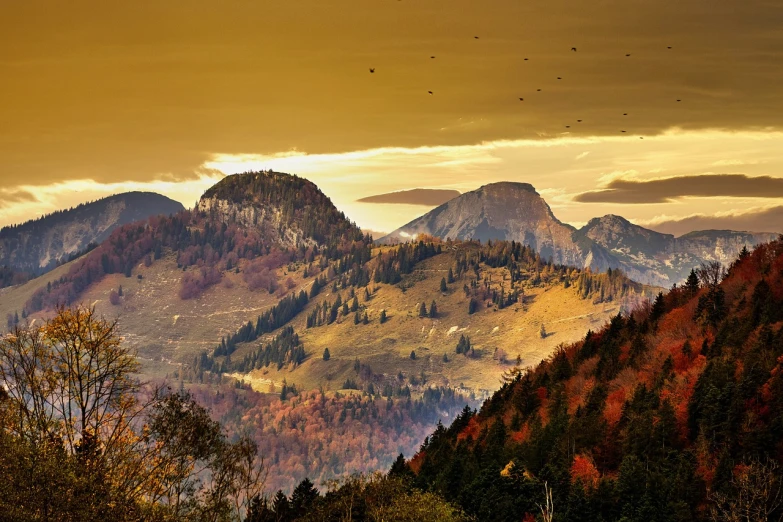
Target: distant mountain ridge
37, 246
517, 212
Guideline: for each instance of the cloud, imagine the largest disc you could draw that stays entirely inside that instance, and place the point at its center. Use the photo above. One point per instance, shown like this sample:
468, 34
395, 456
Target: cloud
9, 197
665, 190
769, 219
157, 94
417, 196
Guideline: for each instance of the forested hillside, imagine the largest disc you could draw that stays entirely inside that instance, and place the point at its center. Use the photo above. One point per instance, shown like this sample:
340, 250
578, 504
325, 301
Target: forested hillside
37, 246
265, 216
673, 412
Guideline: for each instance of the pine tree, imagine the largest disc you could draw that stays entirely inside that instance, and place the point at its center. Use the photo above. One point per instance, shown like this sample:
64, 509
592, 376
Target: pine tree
542, 331
383, 316
423, 310
365, 319
354, 304
119, 291
433, 310
692, 283
327, 355
450, 278
443, 287
413, 355
366, 294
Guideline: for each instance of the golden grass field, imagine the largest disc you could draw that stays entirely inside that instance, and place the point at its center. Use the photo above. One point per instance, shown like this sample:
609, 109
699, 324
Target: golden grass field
167, 331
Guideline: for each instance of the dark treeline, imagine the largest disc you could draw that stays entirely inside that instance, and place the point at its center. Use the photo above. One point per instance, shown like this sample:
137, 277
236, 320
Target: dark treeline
269, 321
392, 265
673, 412
284, 349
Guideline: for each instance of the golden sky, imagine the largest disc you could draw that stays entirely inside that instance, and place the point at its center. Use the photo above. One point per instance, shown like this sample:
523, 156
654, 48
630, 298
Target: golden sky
98, 97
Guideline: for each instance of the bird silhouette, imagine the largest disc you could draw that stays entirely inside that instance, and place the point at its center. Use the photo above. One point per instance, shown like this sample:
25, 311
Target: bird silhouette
579, 121
432, 57
559, 78
568, 126
625, 114
627, 55
539, 90
573, 49
476, 37
622, 131
525, 59
679, 100
668, 46
372, 69
521, 99
430, 93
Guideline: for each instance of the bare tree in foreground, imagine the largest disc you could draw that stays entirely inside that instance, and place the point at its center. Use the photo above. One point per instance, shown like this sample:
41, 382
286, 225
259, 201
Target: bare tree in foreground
755, 494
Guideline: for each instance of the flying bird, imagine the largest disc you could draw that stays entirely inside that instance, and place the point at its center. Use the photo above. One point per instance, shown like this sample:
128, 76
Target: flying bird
430, 93
372, 69
568, 126
476, 37
573, 49
579, 121
521, 99
432, 57
539, 90
622, 131
668, 46
679, 100
559, 78
627, 55
525, 59
625, 114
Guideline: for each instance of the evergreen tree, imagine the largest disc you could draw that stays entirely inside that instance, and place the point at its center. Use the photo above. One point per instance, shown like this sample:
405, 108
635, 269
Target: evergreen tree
450, 278
281, 506
443, 287
692, 283
365, 319
413, 355
433, 310
327, 355
302, 498
383, 316
423, 310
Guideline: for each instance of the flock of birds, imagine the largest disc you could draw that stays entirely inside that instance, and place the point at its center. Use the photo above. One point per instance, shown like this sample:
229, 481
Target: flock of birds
522, 99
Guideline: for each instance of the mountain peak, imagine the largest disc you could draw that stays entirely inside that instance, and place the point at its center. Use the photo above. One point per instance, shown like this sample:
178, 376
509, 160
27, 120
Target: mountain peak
499, 211
504, 187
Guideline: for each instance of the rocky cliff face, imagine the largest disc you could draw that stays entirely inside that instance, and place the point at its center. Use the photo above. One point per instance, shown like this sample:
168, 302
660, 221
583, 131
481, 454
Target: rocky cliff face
662, 259
36, 246
267, 218
506, 211
515, 211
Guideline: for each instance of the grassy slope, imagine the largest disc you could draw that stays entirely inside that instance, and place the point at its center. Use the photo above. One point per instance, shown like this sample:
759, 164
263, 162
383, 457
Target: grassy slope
167, 331
387, 347
13, 298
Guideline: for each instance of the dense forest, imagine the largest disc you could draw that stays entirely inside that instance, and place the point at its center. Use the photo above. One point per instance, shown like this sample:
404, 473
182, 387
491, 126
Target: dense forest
672, 412
326, 435
208, 242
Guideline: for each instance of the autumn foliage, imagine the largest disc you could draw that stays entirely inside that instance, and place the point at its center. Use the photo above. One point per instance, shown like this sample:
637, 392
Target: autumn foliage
657, 416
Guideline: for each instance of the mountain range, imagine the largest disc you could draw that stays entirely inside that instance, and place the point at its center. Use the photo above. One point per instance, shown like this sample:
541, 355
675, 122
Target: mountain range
517, 212
37, 246
265, 284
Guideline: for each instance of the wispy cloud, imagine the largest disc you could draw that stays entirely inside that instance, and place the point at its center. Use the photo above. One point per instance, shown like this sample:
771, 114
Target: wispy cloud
663, 190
